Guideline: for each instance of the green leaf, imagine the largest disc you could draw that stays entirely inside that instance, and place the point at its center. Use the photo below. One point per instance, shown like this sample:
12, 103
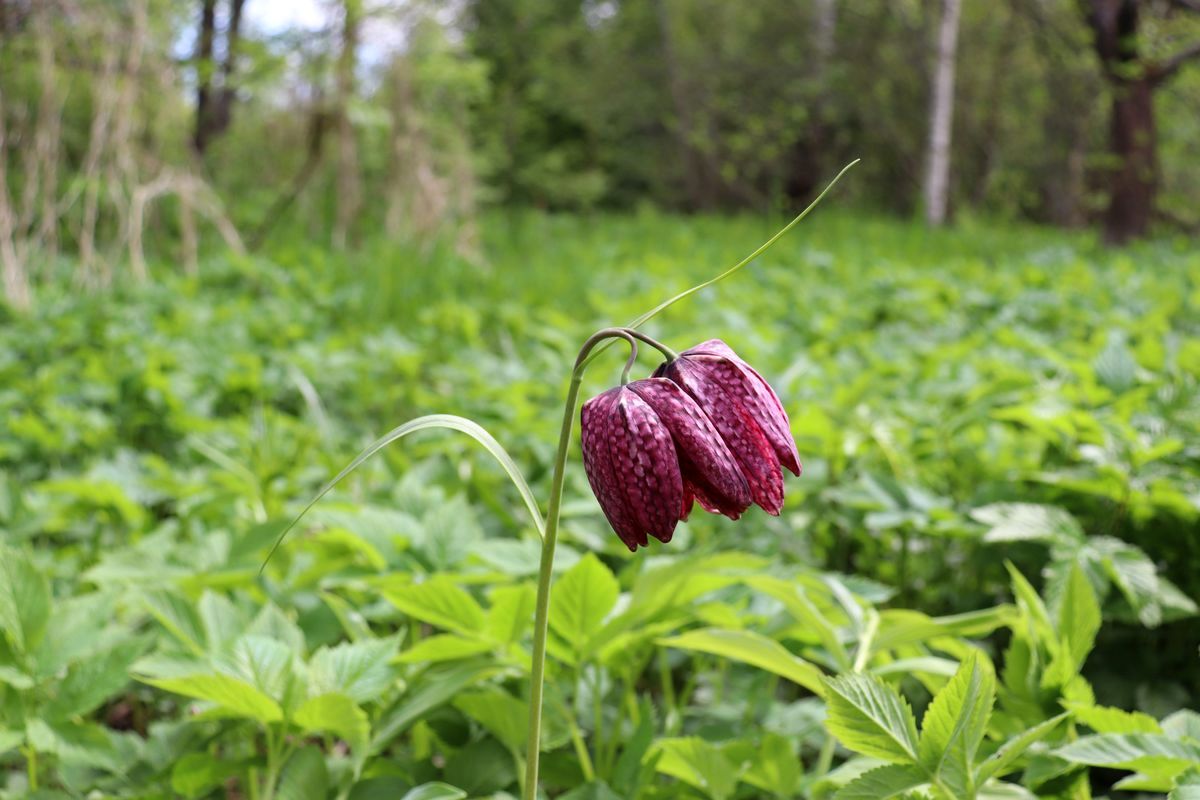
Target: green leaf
1014, 522
24, 600
91, 681
450, 422
628, 769
753, 649
180, 619
882, 783
434, 687
304, 777
1078, 621
699, 764
435, 791
221, 622
1135, 751
775, 768
511, 612
441, 603
1103, 719
501, 714
999, 762
582, 598
869, 717
197, 774
360, 670
798, 604
229, 693
10, 740
955, 723
263, 663
1187, 787
335, 713
445, 647
591, 791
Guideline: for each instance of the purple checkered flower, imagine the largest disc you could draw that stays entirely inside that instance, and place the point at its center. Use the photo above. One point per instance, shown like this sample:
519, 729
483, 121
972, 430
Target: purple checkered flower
745, 411
649, 450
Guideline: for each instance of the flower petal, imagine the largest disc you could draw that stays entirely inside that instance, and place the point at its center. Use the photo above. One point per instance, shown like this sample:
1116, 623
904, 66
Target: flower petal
647, 468
598, 419
704, 458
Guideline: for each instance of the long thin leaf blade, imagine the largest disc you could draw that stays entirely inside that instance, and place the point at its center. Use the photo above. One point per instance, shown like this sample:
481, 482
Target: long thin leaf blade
449, 422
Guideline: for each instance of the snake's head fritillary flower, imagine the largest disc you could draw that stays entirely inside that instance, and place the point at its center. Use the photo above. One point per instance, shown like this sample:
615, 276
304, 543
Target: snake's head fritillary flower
648, 450
746, 413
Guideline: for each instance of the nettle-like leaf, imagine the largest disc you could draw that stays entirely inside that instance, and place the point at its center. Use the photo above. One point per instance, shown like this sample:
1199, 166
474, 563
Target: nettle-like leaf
753, 649
698, 763
869, 717
883, 783
24, 600
582, 598
441, 603
954, 725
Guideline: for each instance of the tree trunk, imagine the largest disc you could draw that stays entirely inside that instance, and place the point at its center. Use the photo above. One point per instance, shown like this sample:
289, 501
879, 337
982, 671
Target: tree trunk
349, 189
1134, 183
204, 75
937, 181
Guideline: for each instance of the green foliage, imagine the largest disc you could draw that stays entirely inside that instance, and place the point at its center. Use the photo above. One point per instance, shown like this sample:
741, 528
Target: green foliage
953, 414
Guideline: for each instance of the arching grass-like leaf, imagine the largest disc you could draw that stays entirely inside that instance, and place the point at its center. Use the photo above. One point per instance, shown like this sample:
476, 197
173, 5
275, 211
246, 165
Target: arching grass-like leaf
449, 422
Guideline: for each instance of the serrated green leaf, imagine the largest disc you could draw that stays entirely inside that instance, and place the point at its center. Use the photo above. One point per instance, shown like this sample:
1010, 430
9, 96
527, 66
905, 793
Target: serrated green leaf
1187, 787
883, 782
441, 603
774, 768
444, 647
753, 649
91, 681
1078, 617
304, 777
361, 670
196, 774
231, 694
263, 663
998, 763
24, 600
501, 714
1012, 522
697, 763
583, 597
1135, 751
1103, 719
335, 712
433, 688
955, 723
869, 717
511, 612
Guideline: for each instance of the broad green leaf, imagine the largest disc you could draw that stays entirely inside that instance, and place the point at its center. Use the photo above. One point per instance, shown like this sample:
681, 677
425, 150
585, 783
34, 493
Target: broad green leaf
1135, 751
197, 774
869, 717
753, 649
77, 744
221, 622
361, 670
955, 722
444, 647
304, 777
883, 782
1187, 787
231, 694
180, 618
774, 768
699, 764
582, 598
511, 612
997, 765
434, 791
10, 740
91, 681
1012, 522
1029, 601
1078, 621
796, 601
24, 600
439, 602
450, 422
335, 712
434, 687
1183, 723
930, 665
625, 775
503, 715
263, 663
1103, 719
591, 791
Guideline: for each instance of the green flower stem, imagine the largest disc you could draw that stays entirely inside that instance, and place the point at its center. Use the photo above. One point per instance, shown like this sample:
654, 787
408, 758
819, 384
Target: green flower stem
541, 617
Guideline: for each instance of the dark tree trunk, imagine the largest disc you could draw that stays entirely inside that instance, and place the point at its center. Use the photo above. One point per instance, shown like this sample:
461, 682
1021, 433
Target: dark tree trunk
1133, 181
204, 75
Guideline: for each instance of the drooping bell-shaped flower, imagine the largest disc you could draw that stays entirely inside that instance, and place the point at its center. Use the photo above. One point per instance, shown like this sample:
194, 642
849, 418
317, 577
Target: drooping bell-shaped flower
746, 412
648, 449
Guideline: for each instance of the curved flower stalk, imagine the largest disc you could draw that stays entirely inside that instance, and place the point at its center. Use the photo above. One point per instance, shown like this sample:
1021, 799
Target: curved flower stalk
707, 453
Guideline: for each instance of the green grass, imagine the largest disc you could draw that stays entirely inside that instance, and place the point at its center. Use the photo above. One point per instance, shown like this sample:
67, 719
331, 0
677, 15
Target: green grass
154, 439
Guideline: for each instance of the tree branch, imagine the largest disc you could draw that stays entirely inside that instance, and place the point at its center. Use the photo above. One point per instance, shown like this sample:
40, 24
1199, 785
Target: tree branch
1165, 70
